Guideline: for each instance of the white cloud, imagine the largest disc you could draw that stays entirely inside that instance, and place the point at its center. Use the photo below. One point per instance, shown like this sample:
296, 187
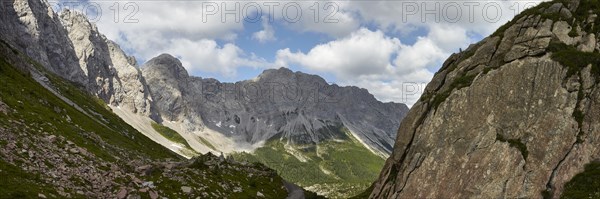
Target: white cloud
418, 56
170, 19
405, 16
364, 52
401, 91
329, 17
187, 29
183, 29
266, 34
207, 56
389, 69
449, 37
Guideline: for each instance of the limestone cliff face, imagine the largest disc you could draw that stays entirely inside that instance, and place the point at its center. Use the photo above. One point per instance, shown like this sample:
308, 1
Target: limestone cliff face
111, 74
170, 84
36, 30
514, 116
70, 46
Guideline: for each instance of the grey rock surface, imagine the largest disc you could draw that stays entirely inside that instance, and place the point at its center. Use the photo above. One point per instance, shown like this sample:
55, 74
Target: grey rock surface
498, 121
70, 46
111, 75
33, 28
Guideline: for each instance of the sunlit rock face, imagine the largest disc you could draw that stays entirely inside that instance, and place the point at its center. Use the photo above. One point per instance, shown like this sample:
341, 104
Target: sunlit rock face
36, 30
70, 46
513, 116
112, 75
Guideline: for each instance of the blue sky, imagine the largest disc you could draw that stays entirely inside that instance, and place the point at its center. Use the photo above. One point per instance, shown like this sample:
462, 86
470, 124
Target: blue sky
382, 46
286, 38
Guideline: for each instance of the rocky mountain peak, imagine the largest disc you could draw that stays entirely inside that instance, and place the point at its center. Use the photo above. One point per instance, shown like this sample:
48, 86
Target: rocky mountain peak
165, 65
73, 19
286, 76
279, 72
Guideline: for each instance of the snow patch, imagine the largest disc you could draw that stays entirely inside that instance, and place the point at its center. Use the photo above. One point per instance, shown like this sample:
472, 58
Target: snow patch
372, 149
178, 146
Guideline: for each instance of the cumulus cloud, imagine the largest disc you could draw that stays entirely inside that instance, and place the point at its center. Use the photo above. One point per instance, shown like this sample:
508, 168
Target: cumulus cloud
389, 69
479, 17
191, 29
329, 17
364, 52
172, 19
266, 34
207, 56
187, 29
449, 37
430, 50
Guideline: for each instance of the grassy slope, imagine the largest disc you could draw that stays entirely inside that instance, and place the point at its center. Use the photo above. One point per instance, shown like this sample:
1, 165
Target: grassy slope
170, 134
173, 136
216, 179
103, 134
207, 143
36, 105
17, 183
352, 166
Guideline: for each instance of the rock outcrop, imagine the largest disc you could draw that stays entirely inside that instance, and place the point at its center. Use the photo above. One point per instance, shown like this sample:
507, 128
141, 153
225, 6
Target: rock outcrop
513, 116
70, 46
36, 30
111, 75
169, 83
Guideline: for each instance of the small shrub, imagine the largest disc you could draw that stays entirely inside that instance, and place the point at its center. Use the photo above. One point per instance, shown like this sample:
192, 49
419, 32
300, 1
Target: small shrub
573, 59
546, 194
531, 11
581, 14
573, 32
458, 83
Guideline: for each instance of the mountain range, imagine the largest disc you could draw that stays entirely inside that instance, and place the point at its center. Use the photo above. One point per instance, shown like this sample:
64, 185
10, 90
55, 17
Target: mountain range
192, 115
